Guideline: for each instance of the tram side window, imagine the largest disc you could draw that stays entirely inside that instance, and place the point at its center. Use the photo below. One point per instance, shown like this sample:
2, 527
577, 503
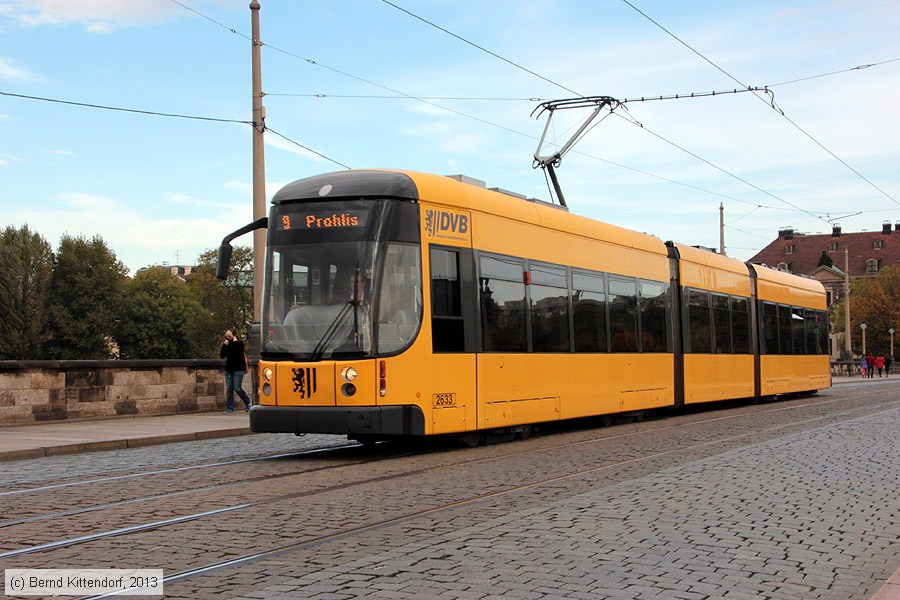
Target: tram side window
549, 308
502, 294
721, 324
770, 328
654, 316
589, 311
810, 325
784, 330
623, 314
740, 323
822, 332
399, 311
797, 330
699, 321
448, 333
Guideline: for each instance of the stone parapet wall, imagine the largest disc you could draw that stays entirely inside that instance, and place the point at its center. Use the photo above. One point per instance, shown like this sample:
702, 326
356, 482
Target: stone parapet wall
40, 391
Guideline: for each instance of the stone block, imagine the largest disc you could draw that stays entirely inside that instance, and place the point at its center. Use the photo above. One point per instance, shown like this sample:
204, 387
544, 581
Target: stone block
180, 390
91, 410
126, 407
91, 394
7, 399
176, 375
15, 380
123, 377
143, 377
116, 393
186, 404
48, 379
49, 413
82, 378
157, 406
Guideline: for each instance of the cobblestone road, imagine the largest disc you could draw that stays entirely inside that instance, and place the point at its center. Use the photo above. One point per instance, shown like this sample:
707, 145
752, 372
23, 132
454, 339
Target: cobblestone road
792, 500
813, 515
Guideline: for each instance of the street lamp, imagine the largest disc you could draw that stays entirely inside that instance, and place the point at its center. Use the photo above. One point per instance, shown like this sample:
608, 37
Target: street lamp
863, 327
891, 331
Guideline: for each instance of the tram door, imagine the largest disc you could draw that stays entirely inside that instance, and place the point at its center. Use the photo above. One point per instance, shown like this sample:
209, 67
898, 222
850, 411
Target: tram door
453, 316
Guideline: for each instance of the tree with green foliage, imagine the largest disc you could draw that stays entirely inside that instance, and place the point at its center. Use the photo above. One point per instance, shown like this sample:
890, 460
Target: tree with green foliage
230, 304
85, 296
26, 267
873, 301
160, 318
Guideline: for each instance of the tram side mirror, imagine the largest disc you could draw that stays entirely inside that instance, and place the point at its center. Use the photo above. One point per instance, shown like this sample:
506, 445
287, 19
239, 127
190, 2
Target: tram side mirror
223, 263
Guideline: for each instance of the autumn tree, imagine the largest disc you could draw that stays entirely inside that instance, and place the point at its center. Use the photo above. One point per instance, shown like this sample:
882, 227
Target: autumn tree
26, 267
874, 301
85, 295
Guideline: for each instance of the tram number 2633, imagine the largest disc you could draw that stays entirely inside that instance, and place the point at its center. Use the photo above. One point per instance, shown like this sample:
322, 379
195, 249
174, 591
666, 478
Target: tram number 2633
444, 400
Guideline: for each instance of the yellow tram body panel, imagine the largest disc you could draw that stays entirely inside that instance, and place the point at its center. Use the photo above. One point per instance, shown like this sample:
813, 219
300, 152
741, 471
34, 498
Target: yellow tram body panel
516, 389
776, 286
709, 271
712, 377
791, 374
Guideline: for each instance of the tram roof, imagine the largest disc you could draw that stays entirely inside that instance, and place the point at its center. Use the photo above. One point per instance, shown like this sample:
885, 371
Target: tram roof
450, 192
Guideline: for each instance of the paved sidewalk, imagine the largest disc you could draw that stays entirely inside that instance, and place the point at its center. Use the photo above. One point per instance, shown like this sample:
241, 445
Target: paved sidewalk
65, 437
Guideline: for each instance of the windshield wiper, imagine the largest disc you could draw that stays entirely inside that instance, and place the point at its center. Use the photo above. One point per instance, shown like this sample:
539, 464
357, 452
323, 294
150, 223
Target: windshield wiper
332, 330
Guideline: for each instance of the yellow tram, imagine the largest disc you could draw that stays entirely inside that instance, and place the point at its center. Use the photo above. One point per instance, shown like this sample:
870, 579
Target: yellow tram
401, 303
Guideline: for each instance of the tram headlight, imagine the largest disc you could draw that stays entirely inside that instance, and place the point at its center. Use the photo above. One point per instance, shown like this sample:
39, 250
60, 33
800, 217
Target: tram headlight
267, 374
348, 389
267, 389
348, 374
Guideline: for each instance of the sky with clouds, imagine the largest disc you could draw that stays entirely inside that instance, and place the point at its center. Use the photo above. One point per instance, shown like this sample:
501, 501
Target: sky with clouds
361, 83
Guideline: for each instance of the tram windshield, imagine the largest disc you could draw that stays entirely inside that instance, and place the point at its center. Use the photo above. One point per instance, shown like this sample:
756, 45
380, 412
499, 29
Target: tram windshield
344, 280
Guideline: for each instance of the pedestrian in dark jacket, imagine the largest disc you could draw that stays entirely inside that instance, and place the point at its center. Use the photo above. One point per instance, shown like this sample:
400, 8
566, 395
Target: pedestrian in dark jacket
235, 367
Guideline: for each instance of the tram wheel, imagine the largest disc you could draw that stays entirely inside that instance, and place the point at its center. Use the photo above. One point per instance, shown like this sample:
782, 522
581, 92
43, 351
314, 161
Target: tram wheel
605, 420
525, 432
471, 439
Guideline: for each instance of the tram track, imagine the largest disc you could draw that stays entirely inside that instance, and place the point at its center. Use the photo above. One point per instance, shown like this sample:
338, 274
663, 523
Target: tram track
157, 524
246, 481
348, 533
172, 470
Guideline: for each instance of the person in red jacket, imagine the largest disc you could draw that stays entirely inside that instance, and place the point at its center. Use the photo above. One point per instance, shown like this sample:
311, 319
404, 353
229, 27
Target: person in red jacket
870, 361
879, 363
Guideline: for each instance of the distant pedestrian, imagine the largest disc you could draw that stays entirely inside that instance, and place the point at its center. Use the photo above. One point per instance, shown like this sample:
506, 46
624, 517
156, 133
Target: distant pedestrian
864, 367
879, 363
235, 367
888, 361
870, 361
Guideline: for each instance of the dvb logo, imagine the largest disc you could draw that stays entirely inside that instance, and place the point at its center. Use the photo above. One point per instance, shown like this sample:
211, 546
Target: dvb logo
439, 223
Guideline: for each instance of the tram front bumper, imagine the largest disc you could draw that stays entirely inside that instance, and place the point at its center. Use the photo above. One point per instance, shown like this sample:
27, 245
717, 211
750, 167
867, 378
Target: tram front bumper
374, 420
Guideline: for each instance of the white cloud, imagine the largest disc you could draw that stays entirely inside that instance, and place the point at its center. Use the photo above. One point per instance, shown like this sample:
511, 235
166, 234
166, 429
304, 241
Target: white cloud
97, 16
5, 159
136, 236
9, 71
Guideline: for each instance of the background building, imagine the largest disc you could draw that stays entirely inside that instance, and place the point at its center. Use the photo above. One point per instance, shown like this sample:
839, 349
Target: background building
821, 256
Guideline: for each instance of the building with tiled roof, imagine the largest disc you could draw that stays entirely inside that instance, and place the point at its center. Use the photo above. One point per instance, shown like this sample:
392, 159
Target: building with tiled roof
826, 256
